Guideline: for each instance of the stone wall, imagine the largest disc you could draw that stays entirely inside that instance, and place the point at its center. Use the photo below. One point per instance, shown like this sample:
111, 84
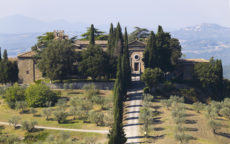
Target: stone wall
80, 85
26, 70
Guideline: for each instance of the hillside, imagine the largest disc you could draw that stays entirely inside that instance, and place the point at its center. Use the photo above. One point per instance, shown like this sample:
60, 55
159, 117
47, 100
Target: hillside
205, 41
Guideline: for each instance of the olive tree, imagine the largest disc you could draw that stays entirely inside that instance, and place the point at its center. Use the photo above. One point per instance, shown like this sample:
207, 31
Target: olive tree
14, 121
46, 112
29, 126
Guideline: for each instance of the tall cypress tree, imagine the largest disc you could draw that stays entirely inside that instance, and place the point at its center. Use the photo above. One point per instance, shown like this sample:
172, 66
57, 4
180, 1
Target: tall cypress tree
0, 54
117, 134
150, 53
126, 63
5, 55
163, 50
119, 41
92, 35
111, 41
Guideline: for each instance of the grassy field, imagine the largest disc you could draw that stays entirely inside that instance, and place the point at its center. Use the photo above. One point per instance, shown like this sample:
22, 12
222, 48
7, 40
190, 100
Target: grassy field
6, 113
196, 124
79, 137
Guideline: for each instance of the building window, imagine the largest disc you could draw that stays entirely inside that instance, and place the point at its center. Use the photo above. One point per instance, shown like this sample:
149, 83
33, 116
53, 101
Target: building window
136, 57
27, 72
136, 66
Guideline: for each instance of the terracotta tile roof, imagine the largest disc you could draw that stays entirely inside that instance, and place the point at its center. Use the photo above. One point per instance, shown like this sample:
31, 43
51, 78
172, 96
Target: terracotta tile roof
28, 54
86, 42
195, 60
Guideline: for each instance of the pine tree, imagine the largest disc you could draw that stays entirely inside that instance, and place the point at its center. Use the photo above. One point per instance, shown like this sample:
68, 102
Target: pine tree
117, 135
92, 36
5, 55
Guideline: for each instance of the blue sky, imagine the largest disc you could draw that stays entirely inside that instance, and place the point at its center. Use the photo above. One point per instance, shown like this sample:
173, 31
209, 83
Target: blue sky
148, 13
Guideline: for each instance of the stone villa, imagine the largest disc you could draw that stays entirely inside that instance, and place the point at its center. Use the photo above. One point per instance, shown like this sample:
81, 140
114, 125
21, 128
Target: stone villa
29, 73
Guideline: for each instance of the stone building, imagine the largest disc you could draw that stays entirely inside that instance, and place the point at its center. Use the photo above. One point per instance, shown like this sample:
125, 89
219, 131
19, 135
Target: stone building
29, 73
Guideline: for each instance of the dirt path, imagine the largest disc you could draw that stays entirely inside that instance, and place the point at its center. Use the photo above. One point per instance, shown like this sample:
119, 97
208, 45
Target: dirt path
65, 129
131, 112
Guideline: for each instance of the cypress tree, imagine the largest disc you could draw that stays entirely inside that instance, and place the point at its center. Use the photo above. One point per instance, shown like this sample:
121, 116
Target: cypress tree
117, 135
150, 54
0, 54
163, 50
111, 40
5, 55
119, 42
92, 35
126, 63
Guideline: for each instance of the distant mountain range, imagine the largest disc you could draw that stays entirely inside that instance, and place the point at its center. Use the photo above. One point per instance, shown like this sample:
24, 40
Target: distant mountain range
205, 41
19, 33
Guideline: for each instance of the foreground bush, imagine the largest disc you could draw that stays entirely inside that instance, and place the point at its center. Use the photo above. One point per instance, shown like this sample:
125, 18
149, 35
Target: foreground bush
13, 94
37, 95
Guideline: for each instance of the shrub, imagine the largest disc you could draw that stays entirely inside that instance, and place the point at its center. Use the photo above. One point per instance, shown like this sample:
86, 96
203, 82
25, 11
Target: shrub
166, 103
146, 90
176, 99
66, 86
47, 112
225, 112
98, 100
71, 86
34, 137
61, 104
90, 91
33, 111
168, 86
29, 126
198, 106
152, 77
14, 121
60, 115
73, 111
97, 117
190, 94
211, 112
21, 105
37, 95
146, 116
84, 108
214, 125
108, 118
217, 106
60, 138
9, 139
13, 94
183, 138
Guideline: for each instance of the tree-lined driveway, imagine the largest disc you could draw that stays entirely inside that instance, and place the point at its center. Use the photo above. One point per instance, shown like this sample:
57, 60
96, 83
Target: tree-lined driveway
131, 112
